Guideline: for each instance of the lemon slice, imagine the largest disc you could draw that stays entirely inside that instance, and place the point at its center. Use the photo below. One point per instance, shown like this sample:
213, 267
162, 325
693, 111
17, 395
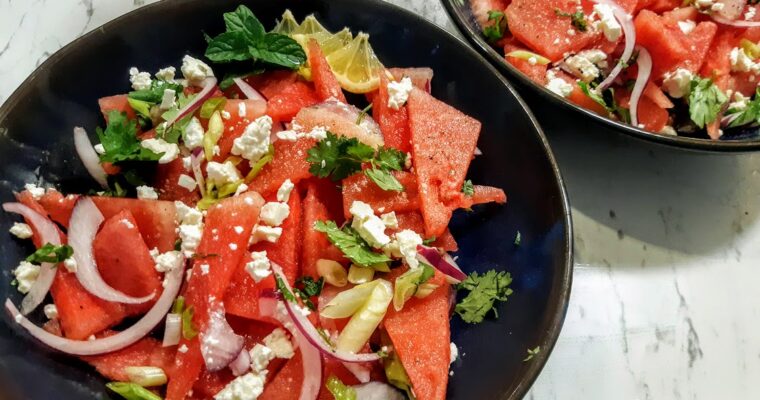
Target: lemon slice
329, 43
310, 26
355, 65
287, 24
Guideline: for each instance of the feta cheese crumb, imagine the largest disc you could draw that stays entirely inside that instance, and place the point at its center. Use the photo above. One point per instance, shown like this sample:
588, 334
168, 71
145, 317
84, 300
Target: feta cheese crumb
127, 223
21, 230
668, 130
280, 344
26, 274
99, 148
266, 233
274, 213
51, 311
453, 352
741, 61
168, 261
183, 349
187, 215
146, 193
750, 14
238, 229
204, 269
677, 83
36, 191
260, 357
254, 142
398, 92
242, 112
167, 100
369, 226
283, 193
242, 188
405, 246
169, 151
192, 135
226, 114
187, 182
195, 70
70, 264
740, 102
558, 85
259, 267
687, 26
190, 235
245, 387
233, 246
139, 80
390, 220
222, 174
166, 74
607, 22
585, 65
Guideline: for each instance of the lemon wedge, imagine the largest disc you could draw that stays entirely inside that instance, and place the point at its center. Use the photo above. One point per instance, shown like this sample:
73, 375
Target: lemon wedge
287, 24
355, 65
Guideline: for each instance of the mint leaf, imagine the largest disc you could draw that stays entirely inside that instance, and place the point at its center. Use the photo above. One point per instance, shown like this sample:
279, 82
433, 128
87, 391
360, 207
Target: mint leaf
132, 391
350, 243
278, 50
484, 291
705, 102
243, 20
120, 141
228, 46
50, 253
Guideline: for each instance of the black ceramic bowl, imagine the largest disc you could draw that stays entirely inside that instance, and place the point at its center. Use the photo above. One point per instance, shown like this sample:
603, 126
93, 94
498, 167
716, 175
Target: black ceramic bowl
36, 145
460, 12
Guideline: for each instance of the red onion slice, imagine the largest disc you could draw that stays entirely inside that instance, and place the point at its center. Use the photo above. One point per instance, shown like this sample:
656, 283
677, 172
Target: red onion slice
248, 90
241, 364
737, 23
629, 31
377, 391
443, 262
308, 330
48, 234
172, 330
89, 156
645, 70
196, 161
220, 345
360, 371
84, 223
209, 84
155, 315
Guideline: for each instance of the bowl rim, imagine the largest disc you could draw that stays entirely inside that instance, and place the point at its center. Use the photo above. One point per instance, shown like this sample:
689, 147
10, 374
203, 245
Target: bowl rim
465, 24
561, 281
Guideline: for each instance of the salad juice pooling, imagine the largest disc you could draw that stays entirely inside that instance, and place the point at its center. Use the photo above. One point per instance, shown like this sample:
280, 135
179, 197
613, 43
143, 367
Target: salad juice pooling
673, 67
264, 237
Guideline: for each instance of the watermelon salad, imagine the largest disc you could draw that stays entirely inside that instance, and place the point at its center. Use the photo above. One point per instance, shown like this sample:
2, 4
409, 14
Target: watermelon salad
672, 67
278, 233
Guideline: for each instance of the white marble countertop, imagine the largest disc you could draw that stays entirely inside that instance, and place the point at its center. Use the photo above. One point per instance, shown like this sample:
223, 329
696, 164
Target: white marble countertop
664, 302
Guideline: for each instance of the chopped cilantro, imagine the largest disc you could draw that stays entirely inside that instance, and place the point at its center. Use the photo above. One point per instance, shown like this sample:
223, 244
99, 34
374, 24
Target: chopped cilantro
172, 133
283, 289
705, 102
132, 391
351, 244
306, 287
496, 30
245, 39
749, 115
518, 238
120, 141
578, 19
50, 253
532, 353
339, 390
484, 291
468, 188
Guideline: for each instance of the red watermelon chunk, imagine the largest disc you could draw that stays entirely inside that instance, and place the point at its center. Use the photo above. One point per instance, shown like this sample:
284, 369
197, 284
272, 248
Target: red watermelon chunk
167, 185
443, 141
118, 103
324, 79
394, 124
421, 77
58, 206
717, 63
271, 83
124, 260
413, 220
147, 352
286, 385
536, 72
81, 313
652, 116
659, 5
359, 187
322, 203
332, 367
289, 163
156, 220
538, 26
286, 104
235, 125
480, 9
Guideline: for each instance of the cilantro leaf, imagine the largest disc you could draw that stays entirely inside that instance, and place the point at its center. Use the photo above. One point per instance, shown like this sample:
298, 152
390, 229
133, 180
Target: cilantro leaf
705, 102
518, 238
120, 141
50, 253
384, 179
750, 114
155, 93
306, 287
578, 19
390, 158
468, 188
495, 31
484, 291
351, 244
132, 391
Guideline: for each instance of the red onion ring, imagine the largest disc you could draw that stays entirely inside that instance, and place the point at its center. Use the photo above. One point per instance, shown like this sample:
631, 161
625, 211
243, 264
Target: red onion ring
89, 156
442, 262
48, 234
736, 23
220, 345
196, 160
208, 89
241, 364
248, 90
172, 330
84, 223
155, 315
644, 62
626, 22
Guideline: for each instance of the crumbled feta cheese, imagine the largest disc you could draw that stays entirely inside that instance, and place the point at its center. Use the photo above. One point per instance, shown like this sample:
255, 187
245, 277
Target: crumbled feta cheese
273, 213
245, 387
167, 100
192, 135
233, 246
254, 142
166, 74
405, 245
170, 151
238, 229
369, 226
21, 230
51, 311
283, 193
607, 22
187, 215
242, 112
704, 5
532, 60
187, 163
99, 148
288, 135
585, 65
741, 61
36, 191
266, 233
226, 114
280, 344
750, 14
687, 26
716, 7
127, 223
183, 349
558, 85
398, 92
453, 352
26, 274
195, 70
187, 182
668, 130
259, 267
677, 83
390, 220
168, 261
221, 174
260, 357
190, 235
317, 133
242, 188
740, 102
139, 80
70, 264
146, 193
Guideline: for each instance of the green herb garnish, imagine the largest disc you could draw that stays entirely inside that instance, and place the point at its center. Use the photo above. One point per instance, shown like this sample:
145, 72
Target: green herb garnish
484, 291
120, 141
132, 391
578, 19
50, 253
750, 114
495, 31
306, 288
283, 289
705, 102
351, 244
468, 188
